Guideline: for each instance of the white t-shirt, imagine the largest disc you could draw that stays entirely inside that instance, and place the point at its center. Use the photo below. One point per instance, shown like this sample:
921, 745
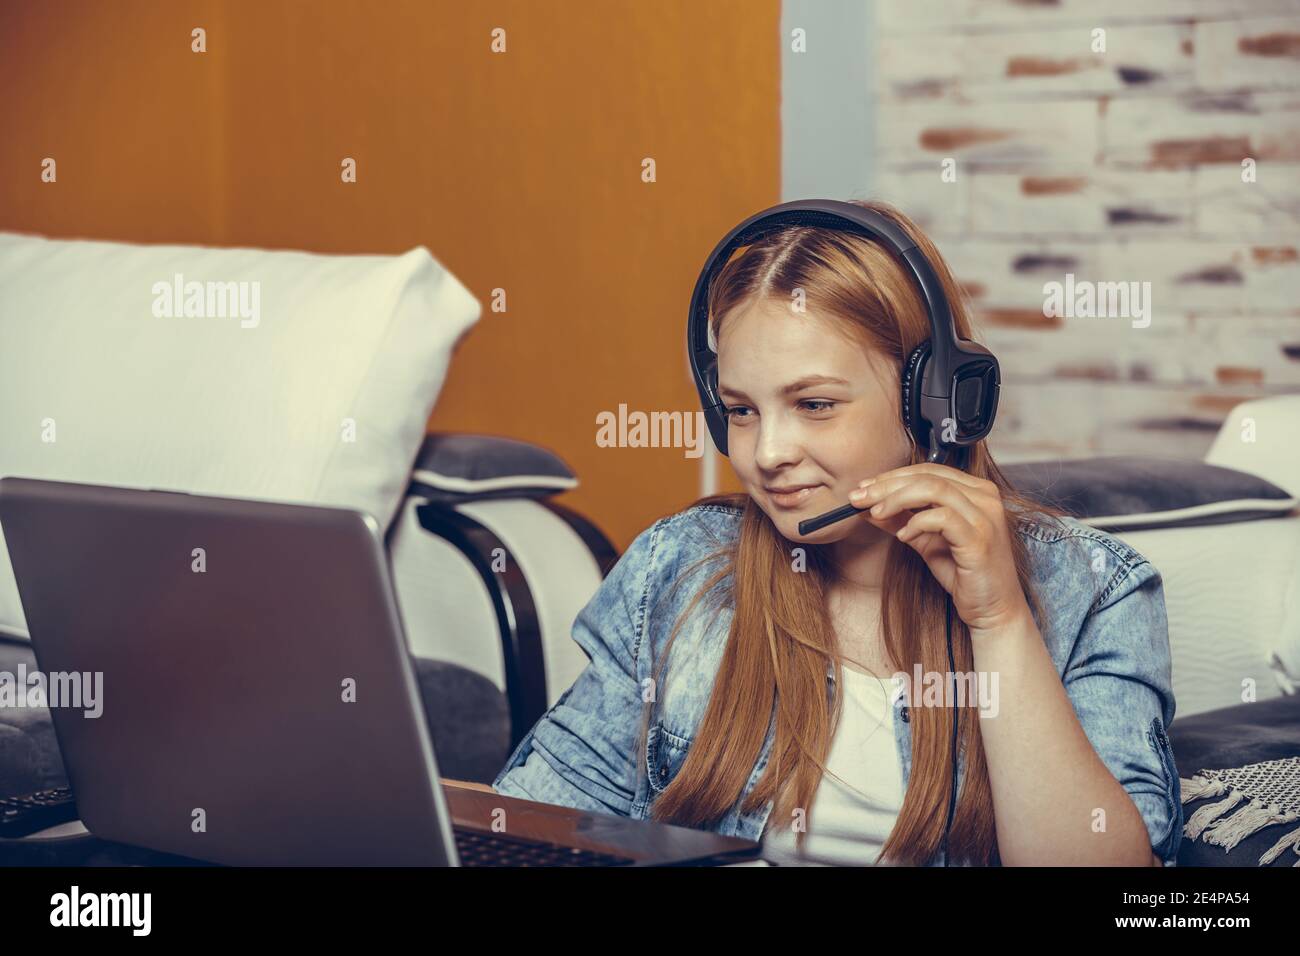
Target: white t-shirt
851, 816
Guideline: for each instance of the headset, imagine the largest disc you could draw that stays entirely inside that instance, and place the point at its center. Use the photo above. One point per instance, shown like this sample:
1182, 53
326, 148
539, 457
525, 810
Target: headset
950, 385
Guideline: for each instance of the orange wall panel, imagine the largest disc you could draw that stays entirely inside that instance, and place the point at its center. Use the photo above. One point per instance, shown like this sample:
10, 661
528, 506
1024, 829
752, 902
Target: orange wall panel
519, 170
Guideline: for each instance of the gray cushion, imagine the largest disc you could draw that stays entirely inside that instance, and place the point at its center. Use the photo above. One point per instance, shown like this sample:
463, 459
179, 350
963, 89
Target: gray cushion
1128, 493
468, 718
452, 468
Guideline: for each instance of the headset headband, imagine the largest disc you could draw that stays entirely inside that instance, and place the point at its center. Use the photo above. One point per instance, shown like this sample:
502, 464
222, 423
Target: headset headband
946, 356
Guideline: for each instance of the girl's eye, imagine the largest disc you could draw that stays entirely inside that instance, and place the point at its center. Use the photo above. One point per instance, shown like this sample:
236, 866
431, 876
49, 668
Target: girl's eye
821, 405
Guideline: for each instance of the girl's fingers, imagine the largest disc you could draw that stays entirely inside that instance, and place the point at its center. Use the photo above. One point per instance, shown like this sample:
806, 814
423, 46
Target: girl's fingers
885, 498
942, 471
890, 524
954, 528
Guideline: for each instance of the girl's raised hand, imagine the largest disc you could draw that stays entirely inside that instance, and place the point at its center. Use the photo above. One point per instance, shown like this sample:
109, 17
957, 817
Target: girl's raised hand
957, 523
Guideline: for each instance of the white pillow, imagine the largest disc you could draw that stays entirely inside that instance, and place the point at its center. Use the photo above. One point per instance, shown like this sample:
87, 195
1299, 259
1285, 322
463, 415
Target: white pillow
314, 386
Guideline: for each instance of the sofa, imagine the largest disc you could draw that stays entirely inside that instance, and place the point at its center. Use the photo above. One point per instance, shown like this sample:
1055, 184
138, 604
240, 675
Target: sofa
105, 382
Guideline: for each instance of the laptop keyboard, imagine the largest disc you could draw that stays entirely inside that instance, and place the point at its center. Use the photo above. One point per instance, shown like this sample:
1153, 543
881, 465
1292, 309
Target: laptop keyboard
480, 848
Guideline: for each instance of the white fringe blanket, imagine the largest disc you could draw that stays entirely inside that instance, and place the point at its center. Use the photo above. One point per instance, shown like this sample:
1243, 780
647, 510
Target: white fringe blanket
1271, 791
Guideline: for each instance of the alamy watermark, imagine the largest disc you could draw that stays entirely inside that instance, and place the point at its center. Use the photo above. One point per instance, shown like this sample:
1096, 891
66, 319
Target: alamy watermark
208, 300
626, 429
129, 910
1098, 300
76, 690
948, 689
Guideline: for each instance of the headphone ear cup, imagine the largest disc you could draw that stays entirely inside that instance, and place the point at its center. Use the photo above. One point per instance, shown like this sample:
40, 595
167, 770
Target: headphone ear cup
716, 419
913, 377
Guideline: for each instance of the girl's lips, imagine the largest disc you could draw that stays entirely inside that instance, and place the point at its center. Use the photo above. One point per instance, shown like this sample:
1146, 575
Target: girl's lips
793, 499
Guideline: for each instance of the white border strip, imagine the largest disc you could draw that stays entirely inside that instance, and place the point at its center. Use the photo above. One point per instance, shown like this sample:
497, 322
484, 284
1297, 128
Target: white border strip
506, 483
1177, 515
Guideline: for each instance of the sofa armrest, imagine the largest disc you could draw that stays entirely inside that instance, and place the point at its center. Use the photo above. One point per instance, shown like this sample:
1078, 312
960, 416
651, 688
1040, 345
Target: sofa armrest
1227, 545
490, 572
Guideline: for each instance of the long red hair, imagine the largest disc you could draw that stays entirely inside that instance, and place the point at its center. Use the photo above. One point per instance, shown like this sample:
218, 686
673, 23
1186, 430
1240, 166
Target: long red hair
781, 637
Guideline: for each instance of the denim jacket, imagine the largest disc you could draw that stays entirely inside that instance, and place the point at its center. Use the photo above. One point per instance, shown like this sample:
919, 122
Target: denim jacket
1103, 623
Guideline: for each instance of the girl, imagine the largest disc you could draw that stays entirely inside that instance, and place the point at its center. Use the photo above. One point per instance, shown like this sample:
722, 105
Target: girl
813, 705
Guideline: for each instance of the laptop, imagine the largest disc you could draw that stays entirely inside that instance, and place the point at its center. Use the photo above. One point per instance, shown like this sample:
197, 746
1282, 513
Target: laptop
256, 700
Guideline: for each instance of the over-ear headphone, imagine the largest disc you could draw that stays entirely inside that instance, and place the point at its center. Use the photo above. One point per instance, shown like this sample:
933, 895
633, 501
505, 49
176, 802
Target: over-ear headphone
950, 384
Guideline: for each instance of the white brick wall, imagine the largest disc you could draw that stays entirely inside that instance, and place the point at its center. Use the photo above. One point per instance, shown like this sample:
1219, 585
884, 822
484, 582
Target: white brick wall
1122, 165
